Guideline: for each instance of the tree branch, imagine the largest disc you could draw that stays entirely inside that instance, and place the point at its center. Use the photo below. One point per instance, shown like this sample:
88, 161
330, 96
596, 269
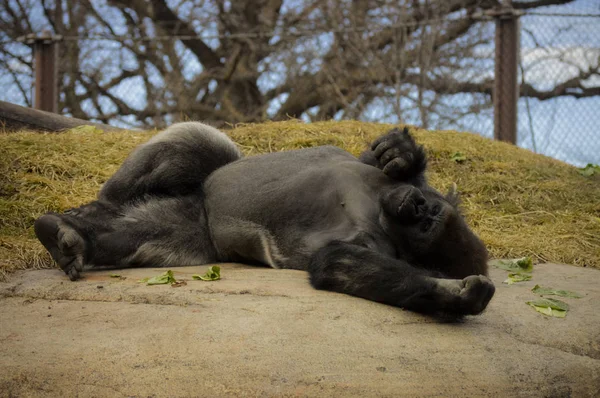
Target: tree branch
172, 24
518, 5
572, 87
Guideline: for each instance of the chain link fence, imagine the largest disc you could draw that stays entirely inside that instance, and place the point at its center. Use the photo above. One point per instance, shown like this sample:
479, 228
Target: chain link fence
133, 80
560, 54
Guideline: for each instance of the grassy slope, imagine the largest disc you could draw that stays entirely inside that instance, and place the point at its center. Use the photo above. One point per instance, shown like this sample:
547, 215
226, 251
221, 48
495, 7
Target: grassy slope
518, 202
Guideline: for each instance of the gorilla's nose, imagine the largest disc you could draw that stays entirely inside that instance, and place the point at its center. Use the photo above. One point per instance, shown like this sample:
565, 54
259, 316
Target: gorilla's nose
413, 206
420, 209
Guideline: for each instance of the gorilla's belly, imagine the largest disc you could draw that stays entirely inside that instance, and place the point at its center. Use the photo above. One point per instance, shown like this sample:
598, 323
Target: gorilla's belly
280, 208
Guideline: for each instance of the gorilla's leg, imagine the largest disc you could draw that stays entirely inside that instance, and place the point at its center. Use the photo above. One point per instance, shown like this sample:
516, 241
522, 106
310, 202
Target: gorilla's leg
398, 155
174, 162
142, 215
355, 270
160, 232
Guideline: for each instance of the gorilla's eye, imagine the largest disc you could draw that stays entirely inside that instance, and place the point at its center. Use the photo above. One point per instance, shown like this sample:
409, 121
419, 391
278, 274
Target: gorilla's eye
426, 225
435, 210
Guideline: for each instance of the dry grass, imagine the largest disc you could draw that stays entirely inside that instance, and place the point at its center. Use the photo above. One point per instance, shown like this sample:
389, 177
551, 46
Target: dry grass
518, 202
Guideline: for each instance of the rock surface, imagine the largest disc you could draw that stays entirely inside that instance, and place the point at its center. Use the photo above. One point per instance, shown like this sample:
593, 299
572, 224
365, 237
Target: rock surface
263, 332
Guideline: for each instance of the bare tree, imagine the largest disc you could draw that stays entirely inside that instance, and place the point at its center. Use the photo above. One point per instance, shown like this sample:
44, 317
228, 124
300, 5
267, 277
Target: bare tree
157, 61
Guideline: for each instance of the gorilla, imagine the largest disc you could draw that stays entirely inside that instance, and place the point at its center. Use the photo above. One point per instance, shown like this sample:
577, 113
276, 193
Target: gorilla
370, 227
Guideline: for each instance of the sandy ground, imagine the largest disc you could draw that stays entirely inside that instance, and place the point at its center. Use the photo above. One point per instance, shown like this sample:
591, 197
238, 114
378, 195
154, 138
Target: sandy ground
262, 332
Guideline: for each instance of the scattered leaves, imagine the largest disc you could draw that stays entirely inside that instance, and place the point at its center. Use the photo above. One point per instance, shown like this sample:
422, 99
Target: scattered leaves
517, 265
115, 275
162, 279
213, 274
548, 291
515, 277
458, 157
589, 170
550, 307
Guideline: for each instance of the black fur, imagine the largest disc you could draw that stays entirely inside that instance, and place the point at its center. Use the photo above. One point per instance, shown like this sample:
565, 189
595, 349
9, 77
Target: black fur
372, 227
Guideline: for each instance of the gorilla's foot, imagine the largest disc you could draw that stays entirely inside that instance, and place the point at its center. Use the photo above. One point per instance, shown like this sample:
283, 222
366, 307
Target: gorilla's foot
65, 245
469, 296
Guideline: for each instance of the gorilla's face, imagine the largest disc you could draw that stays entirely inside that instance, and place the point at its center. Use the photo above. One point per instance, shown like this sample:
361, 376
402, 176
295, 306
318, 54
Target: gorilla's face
429, 229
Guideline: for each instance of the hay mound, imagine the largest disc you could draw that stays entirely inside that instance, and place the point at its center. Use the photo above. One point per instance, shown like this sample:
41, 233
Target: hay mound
520, 203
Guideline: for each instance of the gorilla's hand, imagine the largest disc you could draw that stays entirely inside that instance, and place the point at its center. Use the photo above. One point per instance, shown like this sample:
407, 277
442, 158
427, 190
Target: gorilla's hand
469, 296
398, 155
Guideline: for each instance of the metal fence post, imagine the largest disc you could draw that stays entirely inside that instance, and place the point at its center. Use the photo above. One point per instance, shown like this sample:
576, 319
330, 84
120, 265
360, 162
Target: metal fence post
506, 86
45, 54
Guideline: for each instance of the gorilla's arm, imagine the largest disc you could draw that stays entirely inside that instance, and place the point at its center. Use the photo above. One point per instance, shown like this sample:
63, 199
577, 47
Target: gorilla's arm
346, 268
399, 156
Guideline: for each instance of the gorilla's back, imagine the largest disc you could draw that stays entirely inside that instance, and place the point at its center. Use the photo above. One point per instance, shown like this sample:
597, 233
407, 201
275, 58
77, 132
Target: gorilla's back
304, 197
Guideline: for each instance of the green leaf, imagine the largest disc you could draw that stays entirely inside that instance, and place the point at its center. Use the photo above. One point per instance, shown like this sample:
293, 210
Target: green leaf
550, 307
162, 279
589, 170
548, 291
213, 274
115, 275
517, 277
458, 157
550, 311
518, 265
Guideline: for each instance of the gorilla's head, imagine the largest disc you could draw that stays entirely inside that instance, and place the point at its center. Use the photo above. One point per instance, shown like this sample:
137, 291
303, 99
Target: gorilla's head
429, 229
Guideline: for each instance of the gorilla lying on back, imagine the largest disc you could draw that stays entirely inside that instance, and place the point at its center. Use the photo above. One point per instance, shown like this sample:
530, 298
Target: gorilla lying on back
369, 227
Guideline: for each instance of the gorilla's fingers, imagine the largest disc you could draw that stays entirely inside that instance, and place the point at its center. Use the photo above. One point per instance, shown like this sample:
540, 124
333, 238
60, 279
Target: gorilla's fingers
382, 138
396, 167
468, 296
73, 274
388, 155
399, 145
382, 147
477, 292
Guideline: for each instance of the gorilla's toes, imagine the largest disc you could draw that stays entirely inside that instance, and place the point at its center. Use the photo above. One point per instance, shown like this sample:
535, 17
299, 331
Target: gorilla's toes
65, 245
476, 293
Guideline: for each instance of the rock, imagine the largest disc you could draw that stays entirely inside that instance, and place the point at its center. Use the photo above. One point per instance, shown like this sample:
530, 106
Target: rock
263, 332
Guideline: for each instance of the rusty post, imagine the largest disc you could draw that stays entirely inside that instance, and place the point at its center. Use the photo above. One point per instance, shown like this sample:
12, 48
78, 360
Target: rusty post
506, 86
45, 54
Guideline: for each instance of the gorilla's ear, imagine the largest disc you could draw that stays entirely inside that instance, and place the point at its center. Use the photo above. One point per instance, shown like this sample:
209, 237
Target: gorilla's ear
452, 196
